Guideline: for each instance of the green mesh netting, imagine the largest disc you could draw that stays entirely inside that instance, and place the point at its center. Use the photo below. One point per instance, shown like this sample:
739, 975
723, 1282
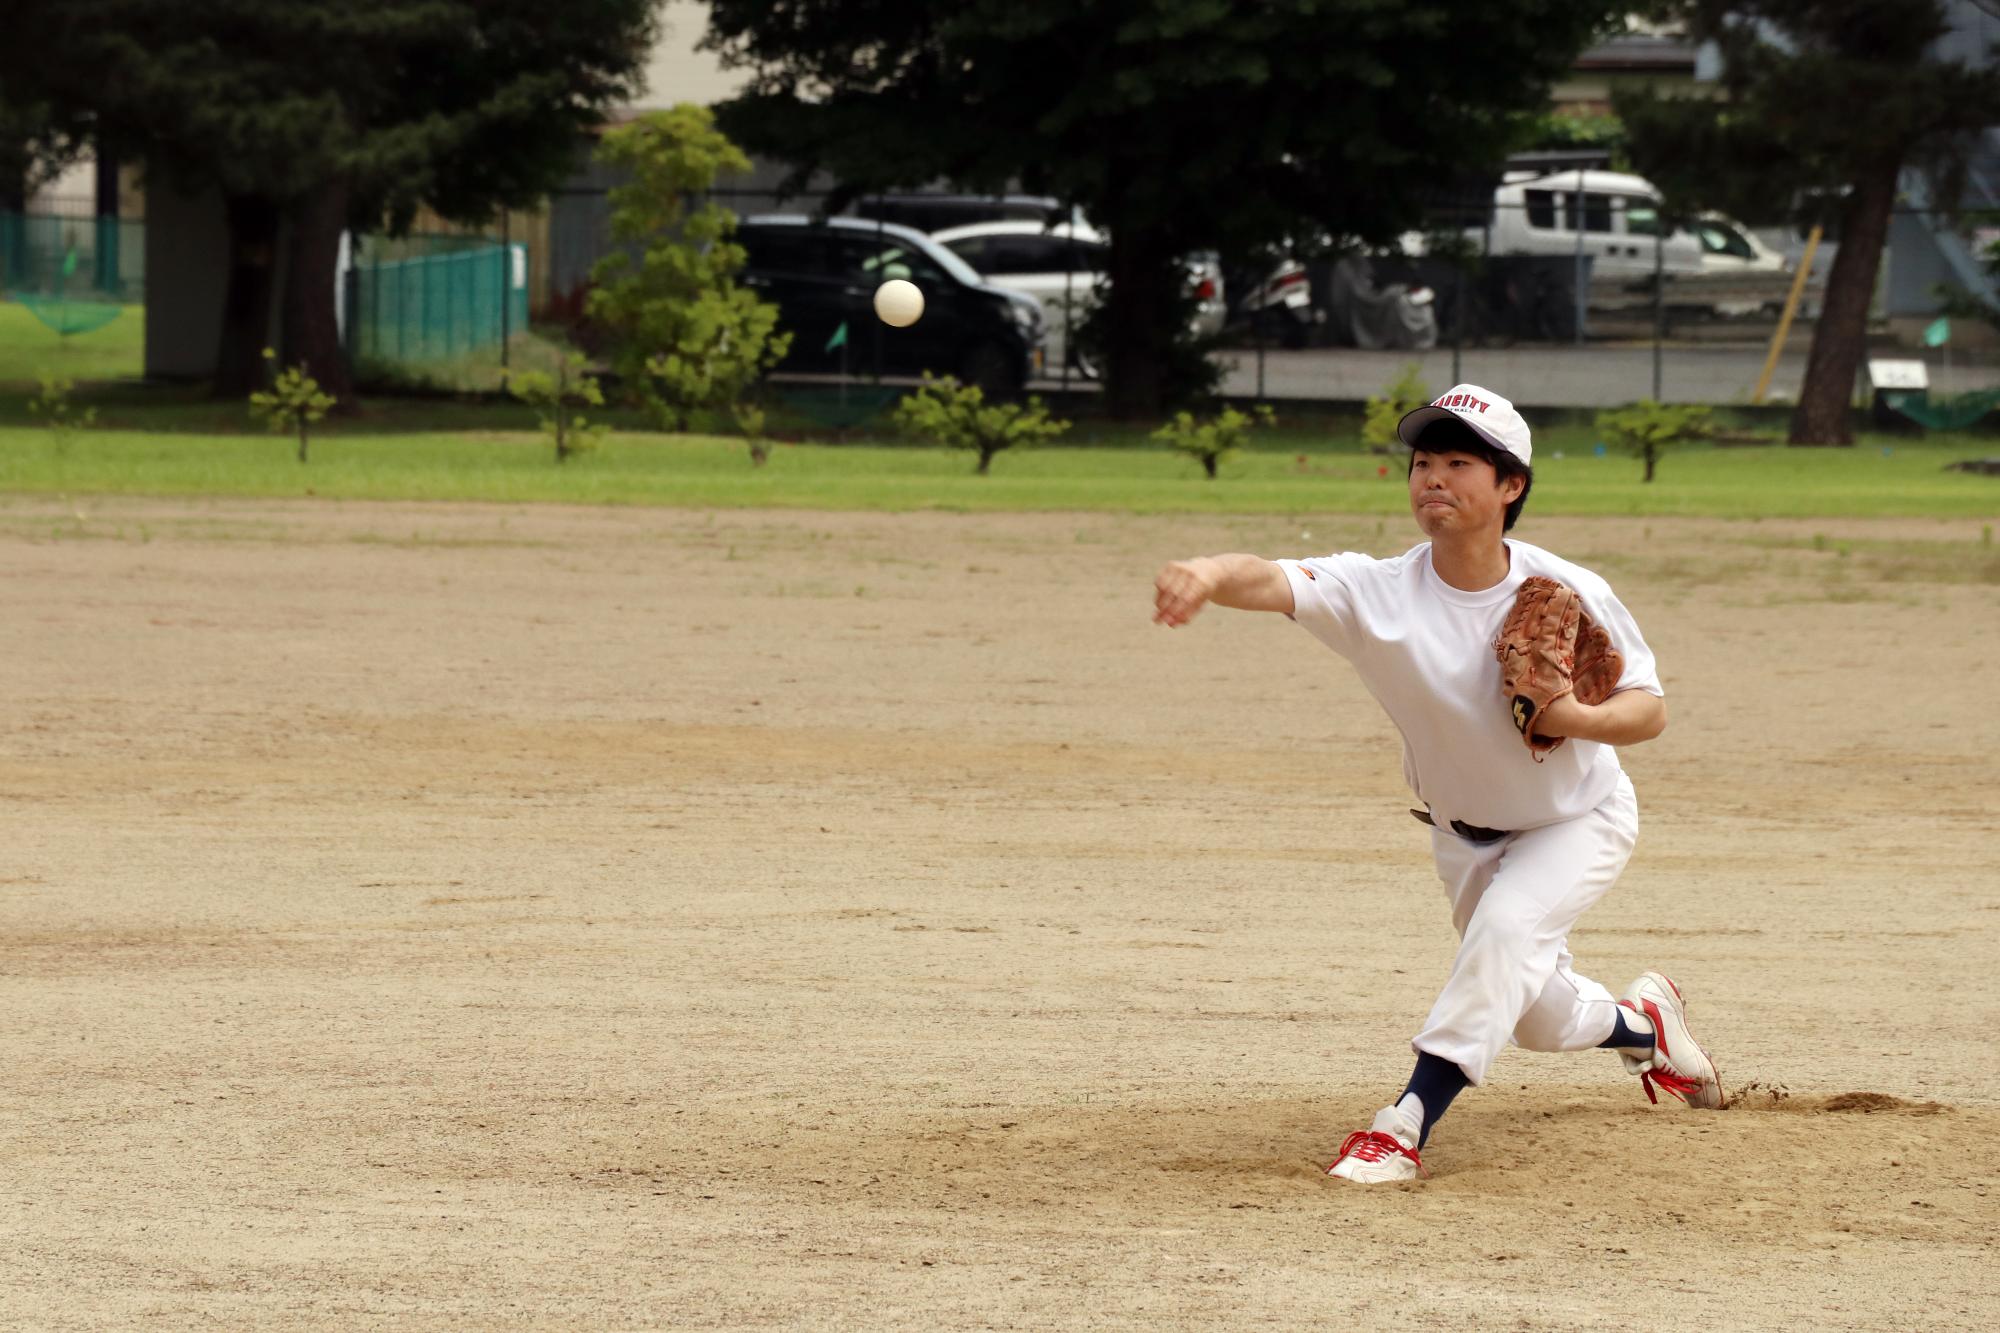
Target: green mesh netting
436, 297
1950, 413
63, 304
69, 314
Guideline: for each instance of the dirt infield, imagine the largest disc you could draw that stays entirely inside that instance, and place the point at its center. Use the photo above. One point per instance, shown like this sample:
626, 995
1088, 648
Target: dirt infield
419, 916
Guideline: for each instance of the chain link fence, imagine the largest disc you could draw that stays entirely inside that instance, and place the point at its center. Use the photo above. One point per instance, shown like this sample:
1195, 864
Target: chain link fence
419, 299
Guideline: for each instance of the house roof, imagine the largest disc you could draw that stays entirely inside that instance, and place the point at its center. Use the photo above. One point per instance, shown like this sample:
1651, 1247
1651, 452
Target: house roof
1661, 53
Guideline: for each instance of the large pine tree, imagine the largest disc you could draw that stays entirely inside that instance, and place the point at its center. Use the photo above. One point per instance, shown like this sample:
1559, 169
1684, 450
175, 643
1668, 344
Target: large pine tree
1822, 99
1175, 124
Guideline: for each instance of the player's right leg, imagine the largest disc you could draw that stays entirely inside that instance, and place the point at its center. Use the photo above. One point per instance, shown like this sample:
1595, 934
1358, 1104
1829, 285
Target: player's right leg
1648, 1029
1674, 1062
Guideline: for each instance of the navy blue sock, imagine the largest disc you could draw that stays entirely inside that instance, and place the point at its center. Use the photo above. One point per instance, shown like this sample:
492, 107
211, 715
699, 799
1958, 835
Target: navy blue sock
1435, 1081
1623, 1035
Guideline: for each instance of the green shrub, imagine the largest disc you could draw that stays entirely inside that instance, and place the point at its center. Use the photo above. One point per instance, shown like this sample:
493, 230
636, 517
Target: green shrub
1216, 440
52, 404
959, 417
749, 420
560, 399
1646, 429
684, 335
293, 402
1405, 394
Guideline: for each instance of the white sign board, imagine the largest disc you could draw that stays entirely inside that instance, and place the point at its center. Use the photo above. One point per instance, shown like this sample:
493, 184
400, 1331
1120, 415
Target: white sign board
1885, 373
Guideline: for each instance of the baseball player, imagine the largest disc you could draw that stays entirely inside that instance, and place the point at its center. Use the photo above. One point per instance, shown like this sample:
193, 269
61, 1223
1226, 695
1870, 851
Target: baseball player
1531, 817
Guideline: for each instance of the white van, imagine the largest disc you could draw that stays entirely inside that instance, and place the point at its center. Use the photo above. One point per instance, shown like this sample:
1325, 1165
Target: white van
1607, 215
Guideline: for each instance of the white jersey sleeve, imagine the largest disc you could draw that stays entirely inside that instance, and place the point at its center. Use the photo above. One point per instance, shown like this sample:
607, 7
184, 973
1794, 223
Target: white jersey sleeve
1323, 599
1640, 672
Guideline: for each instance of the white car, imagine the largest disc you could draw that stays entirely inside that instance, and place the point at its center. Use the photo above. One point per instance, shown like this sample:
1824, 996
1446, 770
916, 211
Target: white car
1753, 276
1063, 265
1607, 216
1727, 246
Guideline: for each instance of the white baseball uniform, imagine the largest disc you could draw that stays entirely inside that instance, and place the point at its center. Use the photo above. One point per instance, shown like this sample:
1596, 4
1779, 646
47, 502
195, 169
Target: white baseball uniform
1424, 649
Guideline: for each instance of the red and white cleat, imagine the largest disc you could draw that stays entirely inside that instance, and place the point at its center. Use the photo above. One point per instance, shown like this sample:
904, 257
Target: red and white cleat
1386, 1151
1678, 1065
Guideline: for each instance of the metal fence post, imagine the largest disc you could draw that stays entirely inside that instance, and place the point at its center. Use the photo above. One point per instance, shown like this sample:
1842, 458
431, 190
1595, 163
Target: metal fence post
1458, 322
1659, 298
1068, 309
506, 285
1576, 220
350, 286
881, 236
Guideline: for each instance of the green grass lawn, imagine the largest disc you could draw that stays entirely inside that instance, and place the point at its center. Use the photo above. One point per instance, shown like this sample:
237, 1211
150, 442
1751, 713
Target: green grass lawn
28, 346
163, 440
1877, 478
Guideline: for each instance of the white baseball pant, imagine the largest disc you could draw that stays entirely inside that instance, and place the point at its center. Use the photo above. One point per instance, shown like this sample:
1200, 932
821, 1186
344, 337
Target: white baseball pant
1513, 903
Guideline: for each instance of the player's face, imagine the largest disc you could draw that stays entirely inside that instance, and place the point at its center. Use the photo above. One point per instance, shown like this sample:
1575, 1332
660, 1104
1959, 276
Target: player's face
1453, 492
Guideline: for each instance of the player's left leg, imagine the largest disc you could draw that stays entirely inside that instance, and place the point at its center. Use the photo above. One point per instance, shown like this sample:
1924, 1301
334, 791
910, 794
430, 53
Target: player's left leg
1514, 977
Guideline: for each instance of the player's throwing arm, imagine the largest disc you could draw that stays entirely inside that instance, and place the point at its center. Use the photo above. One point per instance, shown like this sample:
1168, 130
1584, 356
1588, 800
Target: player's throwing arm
1244, 582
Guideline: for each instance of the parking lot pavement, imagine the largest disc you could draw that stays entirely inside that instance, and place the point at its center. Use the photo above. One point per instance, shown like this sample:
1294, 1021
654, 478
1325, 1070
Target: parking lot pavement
1557, 375
1546, 375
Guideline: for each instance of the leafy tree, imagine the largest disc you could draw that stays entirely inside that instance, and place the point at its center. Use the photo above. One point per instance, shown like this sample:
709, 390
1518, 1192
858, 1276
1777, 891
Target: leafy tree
685, 335
1646, 429
32, 152
1216, 440
293, 402
52, 404
561, 399
1827, 99
1177, 125
959, 417
312, 115
1572, 130
1379, 416
750, 425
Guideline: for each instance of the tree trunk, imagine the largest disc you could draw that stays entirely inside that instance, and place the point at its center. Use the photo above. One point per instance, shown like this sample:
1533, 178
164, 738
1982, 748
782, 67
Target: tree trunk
312, 330
1139, 321
246, 303
1651, 457
986, 460
1841, 335
13, 199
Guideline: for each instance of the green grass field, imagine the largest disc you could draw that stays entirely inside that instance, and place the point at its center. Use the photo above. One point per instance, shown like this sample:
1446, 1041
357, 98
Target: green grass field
27, 346
155, 440
699, 471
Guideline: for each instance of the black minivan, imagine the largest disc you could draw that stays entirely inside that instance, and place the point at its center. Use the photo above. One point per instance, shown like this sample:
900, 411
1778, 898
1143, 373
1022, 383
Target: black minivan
822, 275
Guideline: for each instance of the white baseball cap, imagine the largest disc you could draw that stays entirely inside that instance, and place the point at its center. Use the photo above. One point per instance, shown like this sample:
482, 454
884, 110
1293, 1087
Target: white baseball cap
1492, 418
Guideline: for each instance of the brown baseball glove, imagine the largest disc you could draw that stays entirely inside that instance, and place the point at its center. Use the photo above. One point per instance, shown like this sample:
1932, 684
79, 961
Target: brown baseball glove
1548, 647
1598, 665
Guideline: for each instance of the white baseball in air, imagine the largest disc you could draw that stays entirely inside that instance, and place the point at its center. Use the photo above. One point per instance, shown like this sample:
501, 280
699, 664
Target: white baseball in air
899, 302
